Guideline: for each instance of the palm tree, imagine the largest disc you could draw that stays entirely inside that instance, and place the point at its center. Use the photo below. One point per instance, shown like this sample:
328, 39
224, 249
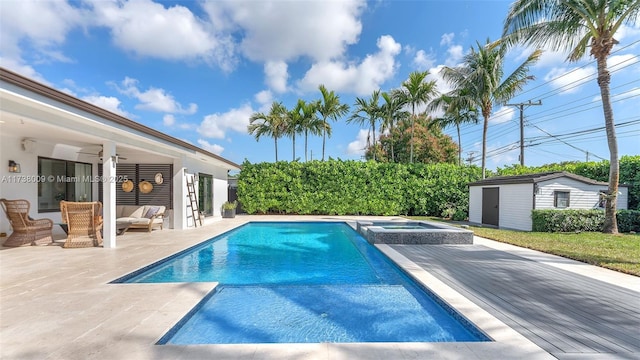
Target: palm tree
294, 123
391, 113
271, 124
479, 81
330, 108
575, 25
457, 111
371, 114
310, 122
417, 92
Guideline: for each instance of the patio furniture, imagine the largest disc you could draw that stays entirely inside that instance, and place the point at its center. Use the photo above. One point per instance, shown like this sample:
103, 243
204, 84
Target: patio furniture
140, 216
26, 231
84, 222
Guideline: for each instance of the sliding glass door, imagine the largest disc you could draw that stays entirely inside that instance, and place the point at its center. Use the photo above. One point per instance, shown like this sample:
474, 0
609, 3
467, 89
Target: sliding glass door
205, 194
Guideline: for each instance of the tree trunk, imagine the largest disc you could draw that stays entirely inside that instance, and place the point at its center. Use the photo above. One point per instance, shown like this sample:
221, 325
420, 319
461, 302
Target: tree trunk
373, 126
485, 126
276, 141
306, 138
413, 116
459, 145
604, 78
393, 157
324, 136
294, 147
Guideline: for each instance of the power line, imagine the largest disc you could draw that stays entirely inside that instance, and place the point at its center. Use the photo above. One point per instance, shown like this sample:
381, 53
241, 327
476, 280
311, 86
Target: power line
521, 107
578, 68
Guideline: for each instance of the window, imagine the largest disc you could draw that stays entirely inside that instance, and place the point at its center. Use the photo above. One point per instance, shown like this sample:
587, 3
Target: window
561, 199
62, 180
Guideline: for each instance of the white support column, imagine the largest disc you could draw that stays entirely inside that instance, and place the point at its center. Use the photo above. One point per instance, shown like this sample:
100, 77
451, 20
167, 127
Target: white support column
179, 216
109, 194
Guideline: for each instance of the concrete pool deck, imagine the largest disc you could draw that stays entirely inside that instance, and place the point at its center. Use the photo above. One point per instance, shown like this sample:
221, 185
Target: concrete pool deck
58, 304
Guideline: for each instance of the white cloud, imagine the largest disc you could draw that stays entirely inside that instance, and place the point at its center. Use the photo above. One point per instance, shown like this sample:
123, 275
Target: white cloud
147, 28
18, 66
629, 94
214, 148
264, 97
54, 20
570, 80
454, 55
358, 146
618, 62
621, 97
447, 39
276, 75
360, 79
285, 30
503, 115
216, 125
626, 34
441, 84
423, 61
107, 102
154, 99
168, 120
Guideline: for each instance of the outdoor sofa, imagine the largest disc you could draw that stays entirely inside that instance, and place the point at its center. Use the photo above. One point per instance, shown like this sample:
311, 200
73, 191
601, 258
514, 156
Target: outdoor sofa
139, 217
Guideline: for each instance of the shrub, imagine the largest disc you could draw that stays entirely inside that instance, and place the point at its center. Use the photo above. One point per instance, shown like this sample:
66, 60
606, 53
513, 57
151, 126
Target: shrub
628, 220
582, 220
459, 215
629, 173
337, 187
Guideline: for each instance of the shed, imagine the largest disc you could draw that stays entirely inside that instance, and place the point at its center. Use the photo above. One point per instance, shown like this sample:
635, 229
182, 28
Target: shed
507, 201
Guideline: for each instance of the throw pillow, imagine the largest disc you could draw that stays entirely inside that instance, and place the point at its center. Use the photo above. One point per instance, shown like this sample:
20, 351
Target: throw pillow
153, 210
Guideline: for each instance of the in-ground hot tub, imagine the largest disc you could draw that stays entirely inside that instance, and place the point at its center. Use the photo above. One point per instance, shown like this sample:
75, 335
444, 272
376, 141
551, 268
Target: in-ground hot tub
413, 232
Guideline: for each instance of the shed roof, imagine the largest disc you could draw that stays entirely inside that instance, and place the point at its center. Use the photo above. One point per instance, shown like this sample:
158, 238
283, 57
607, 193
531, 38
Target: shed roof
536, 178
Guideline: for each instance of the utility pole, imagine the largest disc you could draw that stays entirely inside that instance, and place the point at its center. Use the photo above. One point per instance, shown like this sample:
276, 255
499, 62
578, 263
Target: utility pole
471, 158
521, 107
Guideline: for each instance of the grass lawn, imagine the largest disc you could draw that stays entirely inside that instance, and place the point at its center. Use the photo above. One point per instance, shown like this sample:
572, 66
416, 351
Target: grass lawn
616, 252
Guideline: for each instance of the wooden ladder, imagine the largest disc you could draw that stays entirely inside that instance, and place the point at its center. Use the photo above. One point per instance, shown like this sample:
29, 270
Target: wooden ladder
193, 202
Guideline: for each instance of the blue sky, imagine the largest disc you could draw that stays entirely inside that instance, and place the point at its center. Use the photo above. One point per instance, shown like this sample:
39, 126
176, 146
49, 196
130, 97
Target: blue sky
197, 70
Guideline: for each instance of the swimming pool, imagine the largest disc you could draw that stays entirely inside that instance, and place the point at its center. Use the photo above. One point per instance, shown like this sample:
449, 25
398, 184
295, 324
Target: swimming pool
298, 283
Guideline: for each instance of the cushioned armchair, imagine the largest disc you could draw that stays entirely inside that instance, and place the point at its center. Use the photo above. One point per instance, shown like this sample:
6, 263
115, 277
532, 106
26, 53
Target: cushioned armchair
84, 222
26, 231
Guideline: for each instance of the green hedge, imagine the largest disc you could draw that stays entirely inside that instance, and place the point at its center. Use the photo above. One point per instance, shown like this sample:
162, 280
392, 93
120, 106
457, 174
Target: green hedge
337, 187
582, 220
629, 173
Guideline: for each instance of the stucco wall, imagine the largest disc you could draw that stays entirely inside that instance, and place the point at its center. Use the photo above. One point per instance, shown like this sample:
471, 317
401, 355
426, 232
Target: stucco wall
24, 185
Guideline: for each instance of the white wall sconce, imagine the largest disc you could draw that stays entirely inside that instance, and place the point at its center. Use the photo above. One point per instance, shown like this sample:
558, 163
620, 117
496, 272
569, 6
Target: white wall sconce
14, 167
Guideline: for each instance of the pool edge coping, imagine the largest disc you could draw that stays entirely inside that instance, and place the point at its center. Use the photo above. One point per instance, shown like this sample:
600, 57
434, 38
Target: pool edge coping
497, 330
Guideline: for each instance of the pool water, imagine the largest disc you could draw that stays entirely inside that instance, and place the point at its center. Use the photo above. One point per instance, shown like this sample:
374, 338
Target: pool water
296, 282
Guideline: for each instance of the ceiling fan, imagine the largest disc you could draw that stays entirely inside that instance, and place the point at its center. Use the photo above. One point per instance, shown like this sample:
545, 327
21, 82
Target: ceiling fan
99, 154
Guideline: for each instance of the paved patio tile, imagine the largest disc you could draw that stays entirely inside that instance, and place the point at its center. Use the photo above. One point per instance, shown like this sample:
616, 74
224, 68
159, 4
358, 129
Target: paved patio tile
58, 304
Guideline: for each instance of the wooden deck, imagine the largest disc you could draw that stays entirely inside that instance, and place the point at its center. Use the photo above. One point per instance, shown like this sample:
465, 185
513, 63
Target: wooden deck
568, 315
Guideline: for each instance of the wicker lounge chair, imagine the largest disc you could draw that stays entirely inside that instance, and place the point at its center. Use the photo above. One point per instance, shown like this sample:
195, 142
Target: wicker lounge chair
84, 222
26, 231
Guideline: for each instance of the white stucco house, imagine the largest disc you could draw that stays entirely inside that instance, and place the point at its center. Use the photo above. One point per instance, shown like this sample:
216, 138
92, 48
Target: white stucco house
507, 201
47, 136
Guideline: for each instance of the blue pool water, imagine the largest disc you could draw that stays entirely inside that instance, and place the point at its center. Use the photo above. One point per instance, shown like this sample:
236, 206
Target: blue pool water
299, 283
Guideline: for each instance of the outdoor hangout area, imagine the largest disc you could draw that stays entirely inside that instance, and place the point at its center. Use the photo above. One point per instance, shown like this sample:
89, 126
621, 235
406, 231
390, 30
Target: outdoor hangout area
74, 292
82, 222
330, 180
